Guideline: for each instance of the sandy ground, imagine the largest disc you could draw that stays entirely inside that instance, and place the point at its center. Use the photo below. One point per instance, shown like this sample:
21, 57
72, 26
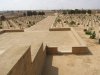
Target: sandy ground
88, 64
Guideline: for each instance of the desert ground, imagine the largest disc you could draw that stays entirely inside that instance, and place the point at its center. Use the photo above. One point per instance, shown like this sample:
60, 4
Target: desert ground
65, 64
86, 64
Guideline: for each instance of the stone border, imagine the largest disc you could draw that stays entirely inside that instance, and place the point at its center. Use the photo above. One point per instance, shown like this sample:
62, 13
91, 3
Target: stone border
11, 30
59, 29
18, 61
82, 48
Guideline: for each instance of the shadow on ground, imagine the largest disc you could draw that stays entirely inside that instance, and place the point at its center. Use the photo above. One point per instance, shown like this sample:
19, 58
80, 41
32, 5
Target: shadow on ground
48, 68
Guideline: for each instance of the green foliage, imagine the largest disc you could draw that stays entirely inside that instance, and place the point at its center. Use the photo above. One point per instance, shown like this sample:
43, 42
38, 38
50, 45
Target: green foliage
93, 35
35, 13
77, 11
64, 12
89, 11
88, 32
41, 13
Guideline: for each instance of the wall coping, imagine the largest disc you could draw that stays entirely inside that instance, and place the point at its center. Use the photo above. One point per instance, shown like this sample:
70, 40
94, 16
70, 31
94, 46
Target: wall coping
9, 59
11, 30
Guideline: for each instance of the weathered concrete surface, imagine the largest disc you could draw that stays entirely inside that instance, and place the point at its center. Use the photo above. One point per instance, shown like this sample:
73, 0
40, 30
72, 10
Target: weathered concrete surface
23, 60
9, 59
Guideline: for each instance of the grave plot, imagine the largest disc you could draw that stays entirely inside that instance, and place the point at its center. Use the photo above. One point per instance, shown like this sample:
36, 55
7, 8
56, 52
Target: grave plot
20, 22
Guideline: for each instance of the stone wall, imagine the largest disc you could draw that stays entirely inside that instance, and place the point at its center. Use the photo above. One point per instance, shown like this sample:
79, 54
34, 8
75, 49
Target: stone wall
80, 50
38, 62
11, 30
59, 29
20, 62
23, 66
51, 50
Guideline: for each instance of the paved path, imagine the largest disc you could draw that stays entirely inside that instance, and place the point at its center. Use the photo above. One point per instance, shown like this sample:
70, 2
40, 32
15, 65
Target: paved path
43, 25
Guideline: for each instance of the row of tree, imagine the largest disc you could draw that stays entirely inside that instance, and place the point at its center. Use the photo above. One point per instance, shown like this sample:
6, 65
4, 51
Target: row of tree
30, 13
77, 11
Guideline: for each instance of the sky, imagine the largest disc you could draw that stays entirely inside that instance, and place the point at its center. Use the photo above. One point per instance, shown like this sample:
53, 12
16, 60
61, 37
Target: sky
48, 4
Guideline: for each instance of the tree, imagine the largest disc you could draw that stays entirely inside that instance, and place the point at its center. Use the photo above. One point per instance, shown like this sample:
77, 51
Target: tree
35, 13
64, 12
89, 11
24, 14
77, 11
71, 12
83, 11
3, 18
29, 13
41, 13
58, 20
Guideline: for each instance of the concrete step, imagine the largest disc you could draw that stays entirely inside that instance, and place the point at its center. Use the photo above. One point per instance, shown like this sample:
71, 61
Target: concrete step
65, 50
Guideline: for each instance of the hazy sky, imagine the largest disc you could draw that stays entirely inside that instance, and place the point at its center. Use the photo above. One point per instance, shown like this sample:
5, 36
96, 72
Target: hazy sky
48, 4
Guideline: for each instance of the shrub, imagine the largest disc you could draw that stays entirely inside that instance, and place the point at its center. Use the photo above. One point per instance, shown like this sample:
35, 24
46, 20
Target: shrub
58, 20
78, 23
88, 32
93, 35
72, 23
85, 30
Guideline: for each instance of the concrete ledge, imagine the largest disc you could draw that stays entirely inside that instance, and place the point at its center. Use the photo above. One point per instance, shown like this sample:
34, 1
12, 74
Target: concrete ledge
78, 38
11, 30
10, 59
59, 29
20, 61
51, 50
80, 50
14, 30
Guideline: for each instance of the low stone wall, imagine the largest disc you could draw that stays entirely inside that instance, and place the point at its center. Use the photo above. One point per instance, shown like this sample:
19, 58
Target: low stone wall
51, 50
11, 30
14, 30
18, 61
80, 50
59, 29
15, 60
23, 66
38, 62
